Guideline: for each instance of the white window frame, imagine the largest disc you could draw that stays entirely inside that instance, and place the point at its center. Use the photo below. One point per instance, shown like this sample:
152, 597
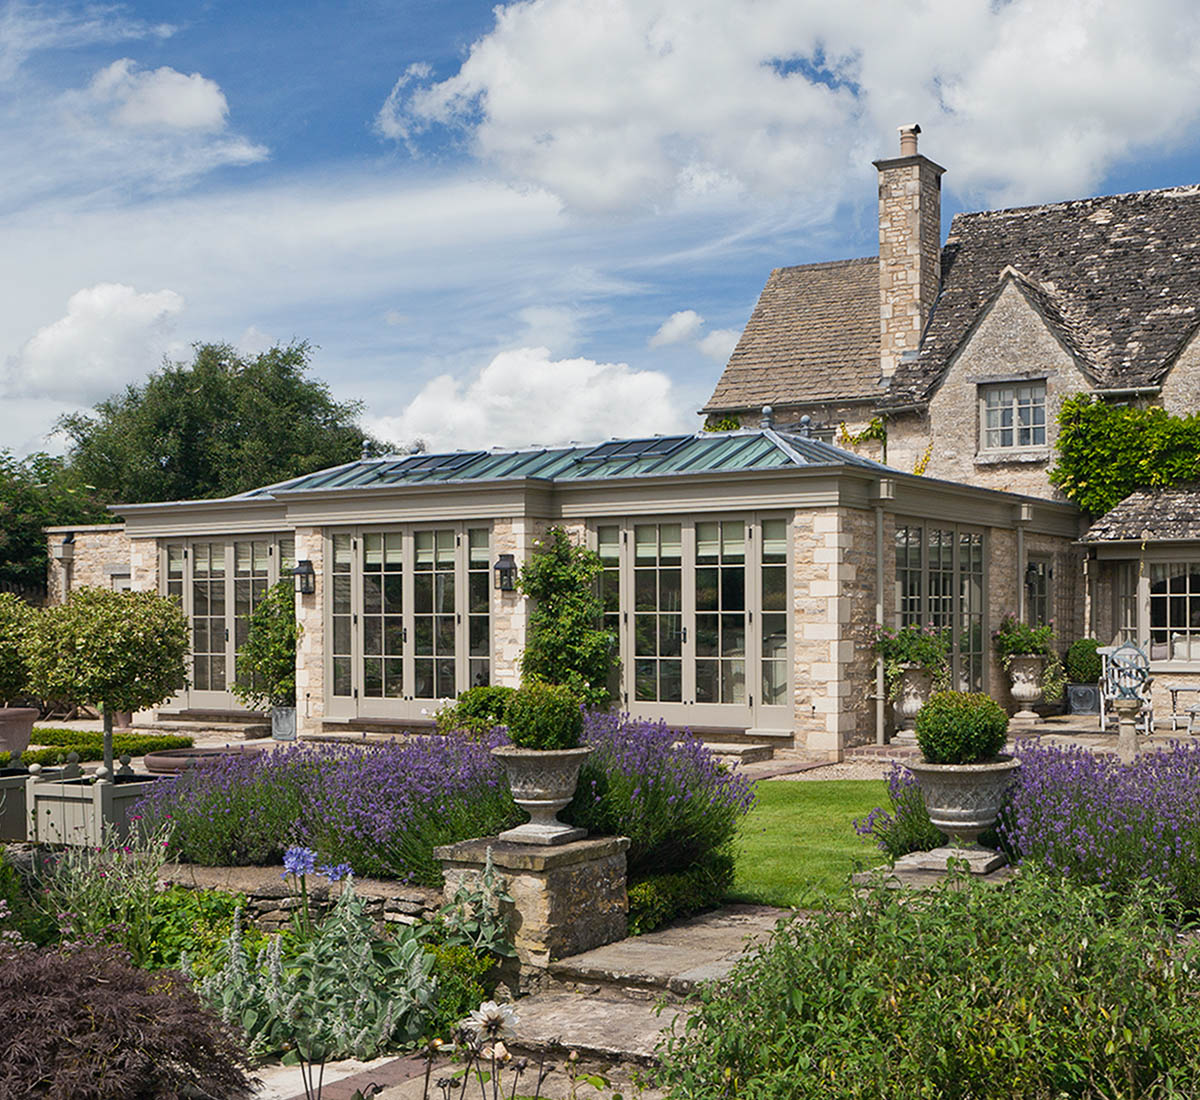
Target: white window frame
1021, 401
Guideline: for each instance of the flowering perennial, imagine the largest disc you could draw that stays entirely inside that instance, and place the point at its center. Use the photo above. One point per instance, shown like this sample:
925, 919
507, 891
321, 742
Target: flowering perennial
1100, 821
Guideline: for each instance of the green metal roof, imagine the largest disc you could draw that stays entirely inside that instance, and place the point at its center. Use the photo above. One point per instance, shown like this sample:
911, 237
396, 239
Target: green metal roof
658, 456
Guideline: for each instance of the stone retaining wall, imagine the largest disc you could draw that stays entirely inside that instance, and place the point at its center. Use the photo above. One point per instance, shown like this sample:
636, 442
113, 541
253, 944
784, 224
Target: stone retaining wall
270, 901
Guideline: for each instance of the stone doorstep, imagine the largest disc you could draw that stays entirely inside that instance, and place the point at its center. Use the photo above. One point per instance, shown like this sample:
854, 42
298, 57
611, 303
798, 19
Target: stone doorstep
730, 753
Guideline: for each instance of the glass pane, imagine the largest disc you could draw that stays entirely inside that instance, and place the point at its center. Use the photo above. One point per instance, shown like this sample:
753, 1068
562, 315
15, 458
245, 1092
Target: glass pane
670, 681
341, 676
708, 636
393, 679
707, 591
341, 594
733, 541
478, 593
733, 682
373, 678
707, 681
671, 544
774, 540
372, 594
708, 545
342, 559
393, 593
423, 679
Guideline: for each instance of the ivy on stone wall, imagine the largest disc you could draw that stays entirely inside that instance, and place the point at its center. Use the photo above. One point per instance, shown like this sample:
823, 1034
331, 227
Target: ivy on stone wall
1106, 452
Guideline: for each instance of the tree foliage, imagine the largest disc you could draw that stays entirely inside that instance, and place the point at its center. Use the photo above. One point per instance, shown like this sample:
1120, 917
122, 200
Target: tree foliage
266, 663
1106, 452
566, 641
35, 492
120, 650
15, 619
219, 425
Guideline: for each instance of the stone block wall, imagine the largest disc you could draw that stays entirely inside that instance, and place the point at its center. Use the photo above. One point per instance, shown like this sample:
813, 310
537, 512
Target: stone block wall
101, 559
833, 602
1011, 341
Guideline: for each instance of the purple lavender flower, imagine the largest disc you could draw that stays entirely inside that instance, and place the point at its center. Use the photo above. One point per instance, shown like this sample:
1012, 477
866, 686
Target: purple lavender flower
298, 861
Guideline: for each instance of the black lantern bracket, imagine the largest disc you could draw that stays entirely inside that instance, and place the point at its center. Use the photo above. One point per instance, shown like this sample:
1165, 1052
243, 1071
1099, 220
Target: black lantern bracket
306, 577
505, 571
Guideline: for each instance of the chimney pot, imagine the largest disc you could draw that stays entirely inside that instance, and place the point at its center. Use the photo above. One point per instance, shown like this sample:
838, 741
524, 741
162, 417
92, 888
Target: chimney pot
908, 139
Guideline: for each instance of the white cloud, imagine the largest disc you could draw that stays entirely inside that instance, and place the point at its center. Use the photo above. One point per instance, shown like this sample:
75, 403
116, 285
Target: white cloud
524, 396
678, 328
634, 103
554, 327
161, 98
110, 335
719, 344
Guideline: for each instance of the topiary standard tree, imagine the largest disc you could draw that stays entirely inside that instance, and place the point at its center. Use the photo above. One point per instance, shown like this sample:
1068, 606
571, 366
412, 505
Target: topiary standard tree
120, 651
266, 663
566, 641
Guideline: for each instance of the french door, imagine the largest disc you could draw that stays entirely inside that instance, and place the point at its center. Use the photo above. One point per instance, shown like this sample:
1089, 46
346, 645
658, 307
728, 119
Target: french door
219, 583
408, 614
701, 611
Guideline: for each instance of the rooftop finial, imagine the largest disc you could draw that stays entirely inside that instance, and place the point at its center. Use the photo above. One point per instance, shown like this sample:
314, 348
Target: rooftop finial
768, 417
805, 426
366, 449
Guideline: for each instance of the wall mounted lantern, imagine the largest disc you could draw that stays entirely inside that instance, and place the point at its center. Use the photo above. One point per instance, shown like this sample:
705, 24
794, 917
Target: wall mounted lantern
306, 577
506, 573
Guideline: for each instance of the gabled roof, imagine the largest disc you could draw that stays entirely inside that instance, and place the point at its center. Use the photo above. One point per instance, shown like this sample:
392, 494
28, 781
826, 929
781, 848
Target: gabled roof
1118, 276
657, 456
1151, 514
813, 337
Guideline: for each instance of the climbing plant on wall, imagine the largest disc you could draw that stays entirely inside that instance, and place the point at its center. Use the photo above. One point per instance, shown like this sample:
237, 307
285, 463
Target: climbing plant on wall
566, 640
1105, 452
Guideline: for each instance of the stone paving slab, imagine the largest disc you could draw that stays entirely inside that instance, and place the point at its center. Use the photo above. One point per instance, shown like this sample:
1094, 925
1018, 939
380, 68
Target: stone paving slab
673, 959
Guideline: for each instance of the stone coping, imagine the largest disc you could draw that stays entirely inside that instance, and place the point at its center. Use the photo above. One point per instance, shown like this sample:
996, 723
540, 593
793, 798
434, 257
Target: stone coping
530, 857
269, 882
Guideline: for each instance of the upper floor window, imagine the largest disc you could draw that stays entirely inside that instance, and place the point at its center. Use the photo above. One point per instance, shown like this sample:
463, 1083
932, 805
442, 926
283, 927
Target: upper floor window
1013, 416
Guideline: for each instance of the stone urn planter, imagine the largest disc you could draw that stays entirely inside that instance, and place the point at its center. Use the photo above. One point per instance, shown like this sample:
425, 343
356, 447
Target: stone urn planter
916, 683
1025, 671
543, 782
964, 800
16, 727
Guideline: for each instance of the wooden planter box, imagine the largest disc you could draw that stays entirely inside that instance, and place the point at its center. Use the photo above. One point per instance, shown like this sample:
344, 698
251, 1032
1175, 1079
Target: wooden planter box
14, 802
74, 811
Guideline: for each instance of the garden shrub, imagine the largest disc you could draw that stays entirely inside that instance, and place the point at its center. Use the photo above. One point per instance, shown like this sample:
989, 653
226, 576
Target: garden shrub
959, 727
53, 745
659, 899
907, 828
382, 809
22, 916
1083, 665
188, 924
15, 616
1096, 820
544, 716
87, 1024
966, 992
477, 710
235, 810
660, 787
913, 645
266, 661
461, 975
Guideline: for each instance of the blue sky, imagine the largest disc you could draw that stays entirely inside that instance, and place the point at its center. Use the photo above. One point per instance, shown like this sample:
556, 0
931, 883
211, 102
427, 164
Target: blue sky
527, 222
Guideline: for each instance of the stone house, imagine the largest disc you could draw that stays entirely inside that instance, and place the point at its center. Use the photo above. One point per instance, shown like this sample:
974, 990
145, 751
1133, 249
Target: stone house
748, 567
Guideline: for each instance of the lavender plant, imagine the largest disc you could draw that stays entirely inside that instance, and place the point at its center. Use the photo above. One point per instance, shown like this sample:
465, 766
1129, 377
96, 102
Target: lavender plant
662, 788
1096, 820
907, 828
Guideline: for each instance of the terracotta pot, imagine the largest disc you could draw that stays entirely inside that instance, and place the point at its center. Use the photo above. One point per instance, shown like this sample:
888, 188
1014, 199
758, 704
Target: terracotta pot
543, 782
964, 800
16, 727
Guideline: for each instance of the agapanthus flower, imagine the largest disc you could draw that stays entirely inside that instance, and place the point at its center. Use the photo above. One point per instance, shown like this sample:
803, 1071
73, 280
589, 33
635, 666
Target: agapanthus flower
298, 861
335, 872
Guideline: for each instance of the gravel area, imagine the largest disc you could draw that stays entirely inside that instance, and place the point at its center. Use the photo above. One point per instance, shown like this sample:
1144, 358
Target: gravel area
855, 769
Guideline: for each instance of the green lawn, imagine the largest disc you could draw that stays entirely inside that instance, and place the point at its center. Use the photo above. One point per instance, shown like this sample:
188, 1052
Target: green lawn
799, 845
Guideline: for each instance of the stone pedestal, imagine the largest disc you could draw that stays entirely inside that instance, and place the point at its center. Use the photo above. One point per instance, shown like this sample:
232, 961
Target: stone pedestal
566, 899
1127, 713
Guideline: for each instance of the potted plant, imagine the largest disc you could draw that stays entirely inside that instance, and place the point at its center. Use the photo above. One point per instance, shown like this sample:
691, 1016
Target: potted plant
963, 774
266, 663
16, 723
1083, 671
543, 761
915, 662
119, 651
1025, 653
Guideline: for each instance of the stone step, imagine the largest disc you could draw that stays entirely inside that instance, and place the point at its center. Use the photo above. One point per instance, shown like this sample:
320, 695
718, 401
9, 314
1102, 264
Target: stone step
670, 962
248, 729
732, 753
610, 1029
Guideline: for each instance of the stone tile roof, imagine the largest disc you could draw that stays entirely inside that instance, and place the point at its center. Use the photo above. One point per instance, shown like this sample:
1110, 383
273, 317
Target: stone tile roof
1119, 275
813, 336
1154, 514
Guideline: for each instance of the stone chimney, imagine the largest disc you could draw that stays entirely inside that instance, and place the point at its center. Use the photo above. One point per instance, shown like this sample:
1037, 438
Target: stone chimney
910, 247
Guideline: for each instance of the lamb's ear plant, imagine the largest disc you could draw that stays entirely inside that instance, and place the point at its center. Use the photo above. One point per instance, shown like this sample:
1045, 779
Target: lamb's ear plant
476, 916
